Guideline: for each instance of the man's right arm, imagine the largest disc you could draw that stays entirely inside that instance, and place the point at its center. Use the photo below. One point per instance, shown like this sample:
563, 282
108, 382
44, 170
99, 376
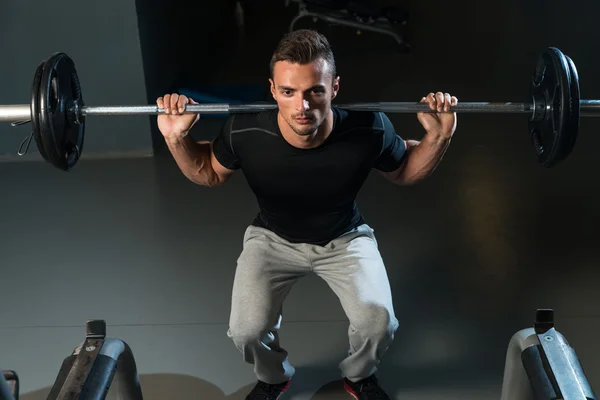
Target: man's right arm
197, 161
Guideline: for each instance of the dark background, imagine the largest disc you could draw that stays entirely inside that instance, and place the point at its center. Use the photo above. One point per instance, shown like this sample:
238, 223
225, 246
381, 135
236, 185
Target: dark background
471, 252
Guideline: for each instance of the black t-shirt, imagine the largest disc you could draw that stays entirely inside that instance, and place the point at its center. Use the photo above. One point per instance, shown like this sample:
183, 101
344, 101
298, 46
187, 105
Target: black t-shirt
308, 195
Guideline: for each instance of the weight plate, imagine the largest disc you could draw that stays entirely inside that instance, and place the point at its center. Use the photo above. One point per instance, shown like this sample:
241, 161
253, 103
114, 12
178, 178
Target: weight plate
35, 109
574, 114
62, 136
551, 85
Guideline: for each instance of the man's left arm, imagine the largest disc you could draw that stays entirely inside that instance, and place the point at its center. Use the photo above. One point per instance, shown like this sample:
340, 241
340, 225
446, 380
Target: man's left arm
421, 158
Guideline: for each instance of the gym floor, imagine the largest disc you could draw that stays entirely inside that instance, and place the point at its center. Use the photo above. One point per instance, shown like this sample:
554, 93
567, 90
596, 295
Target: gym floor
471, 252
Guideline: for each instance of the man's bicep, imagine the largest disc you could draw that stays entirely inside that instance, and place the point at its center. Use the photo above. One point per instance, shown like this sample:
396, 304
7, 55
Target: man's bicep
222, 172
393, 174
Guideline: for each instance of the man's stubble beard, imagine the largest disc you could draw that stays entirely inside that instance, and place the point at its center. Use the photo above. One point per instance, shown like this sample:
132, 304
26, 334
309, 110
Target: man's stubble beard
304, 131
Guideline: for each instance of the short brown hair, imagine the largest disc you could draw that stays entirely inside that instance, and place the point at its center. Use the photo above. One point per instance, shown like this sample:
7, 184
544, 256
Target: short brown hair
303, 46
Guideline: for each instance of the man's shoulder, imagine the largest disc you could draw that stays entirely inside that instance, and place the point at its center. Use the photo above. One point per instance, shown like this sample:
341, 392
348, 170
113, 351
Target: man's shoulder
358, 119
248, 120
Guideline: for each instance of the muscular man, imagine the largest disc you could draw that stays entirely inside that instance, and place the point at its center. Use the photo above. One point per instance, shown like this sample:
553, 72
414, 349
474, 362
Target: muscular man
306, 162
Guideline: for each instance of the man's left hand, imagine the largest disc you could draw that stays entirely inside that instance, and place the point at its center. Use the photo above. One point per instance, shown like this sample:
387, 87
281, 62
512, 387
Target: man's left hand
441, 123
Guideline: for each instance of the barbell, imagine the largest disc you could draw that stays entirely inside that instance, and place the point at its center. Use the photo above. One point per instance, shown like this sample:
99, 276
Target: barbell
58, 113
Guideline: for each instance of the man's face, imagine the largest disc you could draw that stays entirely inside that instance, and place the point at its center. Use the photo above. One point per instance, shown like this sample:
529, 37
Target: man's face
303, 94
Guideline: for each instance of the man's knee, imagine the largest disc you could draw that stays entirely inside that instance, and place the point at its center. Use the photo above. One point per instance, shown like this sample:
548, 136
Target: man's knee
376, 324
250, 334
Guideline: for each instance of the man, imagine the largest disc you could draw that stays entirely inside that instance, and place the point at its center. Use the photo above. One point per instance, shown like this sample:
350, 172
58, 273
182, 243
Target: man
306, 162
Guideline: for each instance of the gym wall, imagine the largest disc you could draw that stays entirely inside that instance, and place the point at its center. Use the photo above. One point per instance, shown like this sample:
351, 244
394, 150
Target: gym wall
103, 40
471, 252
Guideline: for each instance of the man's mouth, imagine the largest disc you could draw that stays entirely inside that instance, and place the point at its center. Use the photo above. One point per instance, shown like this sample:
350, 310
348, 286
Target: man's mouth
303, 120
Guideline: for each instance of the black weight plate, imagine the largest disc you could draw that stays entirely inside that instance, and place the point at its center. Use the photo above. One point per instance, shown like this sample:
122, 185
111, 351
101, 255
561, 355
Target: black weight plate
35, 109
573, 129
46, 136
61, 135
551, 83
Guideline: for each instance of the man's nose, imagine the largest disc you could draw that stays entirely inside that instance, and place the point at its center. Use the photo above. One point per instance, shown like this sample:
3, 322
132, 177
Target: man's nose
303, 105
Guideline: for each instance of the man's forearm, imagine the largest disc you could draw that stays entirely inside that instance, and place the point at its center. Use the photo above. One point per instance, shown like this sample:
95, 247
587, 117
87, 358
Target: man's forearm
422, 158
194, 160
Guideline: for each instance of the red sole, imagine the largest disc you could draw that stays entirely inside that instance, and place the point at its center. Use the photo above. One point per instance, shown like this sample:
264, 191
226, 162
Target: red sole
350, 391
285, 388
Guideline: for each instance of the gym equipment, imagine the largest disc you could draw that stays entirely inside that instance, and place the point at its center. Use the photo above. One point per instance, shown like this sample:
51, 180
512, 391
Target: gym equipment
89, 371
540, 365
9, 385
361, 15
58, 113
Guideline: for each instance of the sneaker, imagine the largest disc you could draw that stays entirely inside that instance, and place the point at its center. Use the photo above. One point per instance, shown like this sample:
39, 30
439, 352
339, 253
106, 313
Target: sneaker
366, 389
266, 391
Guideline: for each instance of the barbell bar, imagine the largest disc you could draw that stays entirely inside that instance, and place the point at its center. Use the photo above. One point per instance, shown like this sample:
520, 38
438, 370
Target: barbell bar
22, 112
58, 113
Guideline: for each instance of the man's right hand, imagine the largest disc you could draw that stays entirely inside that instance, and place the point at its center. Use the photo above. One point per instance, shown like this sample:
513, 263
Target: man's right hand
173, 124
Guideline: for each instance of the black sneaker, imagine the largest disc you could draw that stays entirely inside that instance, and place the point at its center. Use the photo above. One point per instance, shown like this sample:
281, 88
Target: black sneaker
367, 389
266, 391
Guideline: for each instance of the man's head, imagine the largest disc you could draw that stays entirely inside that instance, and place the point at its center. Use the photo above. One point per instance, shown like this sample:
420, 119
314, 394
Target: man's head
303, 80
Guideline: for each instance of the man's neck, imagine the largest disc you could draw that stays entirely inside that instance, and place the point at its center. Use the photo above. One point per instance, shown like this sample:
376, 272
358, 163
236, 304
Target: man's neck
309, 141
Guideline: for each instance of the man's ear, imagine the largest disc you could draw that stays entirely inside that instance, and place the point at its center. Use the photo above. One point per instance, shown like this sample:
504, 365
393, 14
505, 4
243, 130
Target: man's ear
336, 87
272, 87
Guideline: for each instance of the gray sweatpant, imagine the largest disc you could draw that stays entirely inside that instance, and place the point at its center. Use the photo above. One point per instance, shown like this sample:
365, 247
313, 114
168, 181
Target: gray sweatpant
351, 265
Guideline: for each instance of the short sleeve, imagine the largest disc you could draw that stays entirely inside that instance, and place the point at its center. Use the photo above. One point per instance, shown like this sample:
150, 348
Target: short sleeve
223, 146
393, 149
